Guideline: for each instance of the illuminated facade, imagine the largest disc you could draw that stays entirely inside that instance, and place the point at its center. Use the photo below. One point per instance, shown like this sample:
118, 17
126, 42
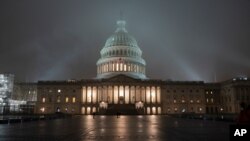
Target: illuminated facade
121, 85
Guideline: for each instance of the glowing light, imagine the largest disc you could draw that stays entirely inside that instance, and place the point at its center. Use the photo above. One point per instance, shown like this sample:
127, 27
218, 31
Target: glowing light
121, 91
89, 94
83, 110
42, 109
94, 95
84, 94
153, 110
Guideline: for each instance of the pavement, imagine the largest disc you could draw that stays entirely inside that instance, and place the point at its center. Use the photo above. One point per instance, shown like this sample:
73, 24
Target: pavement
124, 128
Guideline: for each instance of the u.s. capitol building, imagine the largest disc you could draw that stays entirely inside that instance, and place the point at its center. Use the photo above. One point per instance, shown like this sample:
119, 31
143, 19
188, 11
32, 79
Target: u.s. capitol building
121, 85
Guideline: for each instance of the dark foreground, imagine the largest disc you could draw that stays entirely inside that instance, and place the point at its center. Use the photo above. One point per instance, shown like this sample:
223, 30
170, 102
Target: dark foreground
106, 128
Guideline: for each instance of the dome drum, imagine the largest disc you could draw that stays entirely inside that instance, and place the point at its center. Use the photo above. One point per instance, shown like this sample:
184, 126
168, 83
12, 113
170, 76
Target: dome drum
121, 51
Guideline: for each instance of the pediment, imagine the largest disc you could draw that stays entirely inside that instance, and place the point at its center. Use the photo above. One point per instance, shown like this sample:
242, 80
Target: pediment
122, 78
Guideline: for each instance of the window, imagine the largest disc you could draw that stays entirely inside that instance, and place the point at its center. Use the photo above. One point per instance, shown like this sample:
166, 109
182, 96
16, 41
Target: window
59, 90
174, 101
200, 109
183, 101
198, 101
191, 101
42, 109
73, 99
212, 100
58, 100
66, 99
175, 109
43, 99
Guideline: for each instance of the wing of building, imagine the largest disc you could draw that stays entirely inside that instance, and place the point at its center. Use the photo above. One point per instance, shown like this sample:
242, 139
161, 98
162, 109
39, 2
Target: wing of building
121, 85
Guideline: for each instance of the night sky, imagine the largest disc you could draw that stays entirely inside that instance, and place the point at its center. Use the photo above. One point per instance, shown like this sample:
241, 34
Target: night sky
181, 40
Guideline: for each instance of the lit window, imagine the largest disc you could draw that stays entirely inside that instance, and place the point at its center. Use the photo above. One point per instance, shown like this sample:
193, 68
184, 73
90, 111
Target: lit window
174, 101
121, 65
191, 101
43, 99
175, 109
117, 67
200, 109
206, 92
183, 101
58, 90
212, 100
198, 101
42, 109
58, 99
50, 91
66, 99
207, 100
211, 92
73, 99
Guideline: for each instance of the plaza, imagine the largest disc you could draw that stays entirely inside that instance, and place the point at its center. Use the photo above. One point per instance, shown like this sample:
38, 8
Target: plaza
106, 128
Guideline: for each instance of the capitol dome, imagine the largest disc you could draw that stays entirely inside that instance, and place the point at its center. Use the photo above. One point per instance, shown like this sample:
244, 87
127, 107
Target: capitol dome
121, 37
121, 55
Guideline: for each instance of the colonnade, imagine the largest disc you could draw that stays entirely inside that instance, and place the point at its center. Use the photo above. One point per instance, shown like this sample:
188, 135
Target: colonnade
148, 110
121, 94
120, 66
